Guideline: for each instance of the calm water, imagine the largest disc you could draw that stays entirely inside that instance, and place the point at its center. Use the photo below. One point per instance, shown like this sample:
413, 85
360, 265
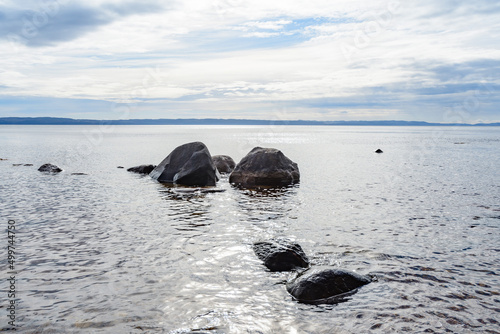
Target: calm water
115, 252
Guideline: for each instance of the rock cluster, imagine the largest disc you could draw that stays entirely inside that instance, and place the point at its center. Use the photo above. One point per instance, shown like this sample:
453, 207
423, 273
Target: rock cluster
315, 285
192, 165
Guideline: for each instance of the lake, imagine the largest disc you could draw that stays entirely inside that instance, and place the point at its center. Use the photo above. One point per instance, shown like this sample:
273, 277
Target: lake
117, 252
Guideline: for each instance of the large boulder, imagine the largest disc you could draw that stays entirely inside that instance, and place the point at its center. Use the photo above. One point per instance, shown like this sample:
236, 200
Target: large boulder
142, 169
281, 255
190, 165
224, 163
320, 285
49, 168
266, 167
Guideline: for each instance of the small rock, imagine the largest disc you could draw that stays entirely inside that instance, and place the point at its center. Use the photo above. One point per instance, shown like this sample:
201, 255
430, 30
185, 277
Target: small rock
121, 167
320, 285
281, 255
28, 165
1, 159
17, 165
224, 163
379, 151
49, 168
142, 169
78, 174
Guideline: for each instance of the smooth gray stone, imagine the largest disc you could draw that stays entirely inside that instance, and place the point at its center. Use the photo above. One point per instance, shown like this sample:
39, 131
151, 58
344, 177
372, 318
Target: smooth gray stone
281, 255
318, 285
266, 167
190, 164
49, 168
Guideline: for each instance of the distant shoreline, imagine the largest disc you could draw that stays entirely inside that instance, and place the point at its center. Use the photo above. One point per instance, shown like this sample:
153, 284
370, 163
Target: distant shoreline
215, 121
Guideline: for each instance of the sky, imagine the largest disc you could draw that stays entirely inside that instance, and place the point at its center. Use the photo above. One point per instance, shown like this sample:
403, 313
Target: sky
328, 60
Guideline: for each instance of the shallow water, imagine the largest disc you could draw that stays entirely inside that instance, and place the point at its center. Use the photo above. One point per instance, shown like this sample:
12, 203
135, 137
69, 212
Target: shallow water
115, 252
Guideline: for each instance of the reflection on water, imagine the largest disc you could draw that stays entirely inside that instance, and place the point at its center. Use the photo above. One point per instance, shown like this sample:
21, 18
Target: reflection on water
114, 252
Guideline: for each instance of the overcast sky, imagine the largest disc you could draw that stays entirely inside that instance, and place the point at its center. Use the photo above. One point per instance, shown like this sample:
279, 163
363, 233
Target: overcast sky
423, 60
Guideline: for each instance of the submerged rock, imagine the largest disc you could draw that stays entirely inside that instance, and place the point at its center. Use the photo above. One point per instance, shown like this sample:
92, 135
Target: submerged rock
142, 169
49, 168
379, 151
224, 163
321, 285
281, 255
267, 167
190, 164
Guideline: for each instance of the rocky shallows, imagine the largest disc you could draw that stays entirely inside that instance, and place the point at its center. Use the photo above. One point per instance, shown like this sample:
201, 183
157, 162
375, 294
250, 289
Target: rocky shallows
281, 255
325, 285
265, 167
190, 165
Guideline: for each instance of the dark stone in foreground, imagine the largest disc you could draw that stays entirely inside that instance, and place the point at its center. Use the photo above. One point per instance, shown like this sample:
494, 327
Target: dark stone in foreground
281, 255
379, 151
189, 165
267, 167
142, 169
321, 285
49, 168
224, 163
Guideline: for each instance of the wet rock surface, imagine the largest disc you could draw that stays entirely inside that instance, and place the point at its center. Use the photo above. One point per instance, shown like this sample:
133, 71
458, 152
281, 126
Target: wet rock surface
325, 285
49, 168
224, 163
281, 255
142, 169
266, 167
190, 164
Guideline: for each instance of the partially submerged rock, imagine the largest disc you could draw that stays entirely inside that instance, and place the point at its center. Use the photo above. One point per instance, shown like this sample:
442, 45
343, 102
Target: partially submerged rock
142, 169
320, 285
379, 151
49, 168
281, 255
224, 163
190, 164
265, 167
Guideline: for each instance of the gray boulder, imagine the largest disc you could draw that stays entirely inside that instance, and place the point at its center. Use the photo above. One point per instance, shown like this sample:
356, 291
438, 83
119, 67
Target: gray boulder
265, 167
320, 285
281, 255
224, 163
49, 168
142, 169
190, 165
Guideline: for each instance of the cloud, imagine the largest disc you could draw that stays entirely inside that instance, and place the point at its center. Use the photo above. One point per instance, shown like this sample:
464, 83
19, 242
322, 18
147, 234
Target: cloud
59, 21
231, 57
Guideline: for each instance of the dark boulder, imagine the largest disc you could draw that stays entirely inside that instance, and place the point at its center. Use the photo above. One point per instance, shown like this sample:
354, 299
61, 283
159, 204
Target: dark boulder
49, 168
320, 285
379, 151
142, 169
190, 165
281, 255
224, 163
265, 167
